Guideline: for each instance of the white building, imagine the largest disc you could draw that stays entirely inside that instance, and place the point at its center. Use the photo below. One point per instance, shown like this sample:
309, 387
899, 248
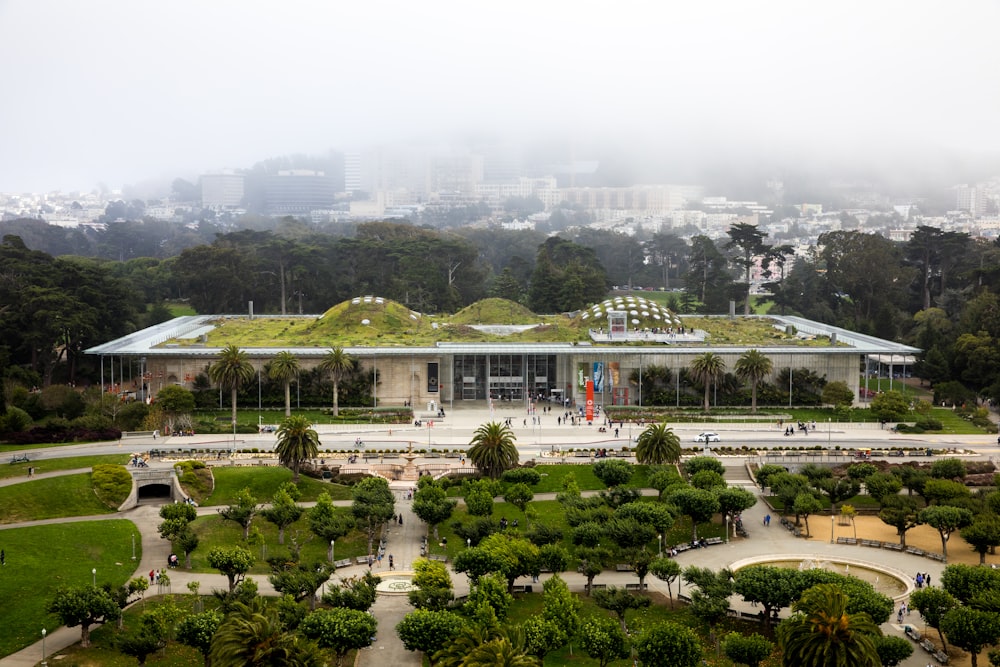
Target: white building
221, 190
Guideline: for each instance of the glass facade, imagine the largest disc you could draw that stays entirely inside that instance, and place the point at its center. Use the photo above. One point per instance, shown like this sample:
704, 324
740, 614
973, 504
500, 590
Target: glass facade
505, 377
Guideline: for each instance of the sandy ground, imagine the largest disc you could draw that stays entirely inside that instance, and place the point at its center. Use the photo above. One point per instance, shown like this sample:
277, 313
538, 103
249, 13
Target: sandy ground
922, 537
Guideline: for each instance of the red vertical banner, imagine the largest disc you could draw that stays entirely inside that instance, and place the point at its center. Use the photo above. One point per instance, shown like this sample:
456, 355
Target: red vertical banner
590, 401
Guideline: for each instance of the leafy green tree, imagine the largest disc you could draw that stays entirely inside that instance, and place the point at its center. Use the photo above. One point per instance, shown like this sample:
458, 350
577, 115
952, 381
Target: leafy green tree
749, 239
490, 590
432, 505
372, 505
698, 504
971, 629
766, 471
734, 500
983, 535
479, 499
283, 512
428, 631
890, 406
881, 486
892, 651
492, 449
285, 368
663, 479
668, 644
838, 489
242, 511
619, 601
952, 469
968, 582
542, 636
837, 394
567, 276
299, 580
233, 562
603, 640
787, 487
197, 631
613, 472
560, 606
706, 369
519, 495
806, 504
144, 640
901, 513
821, 632
753, 367
709, 480
710, 600
773, 588
434, 589
83, 606
339, 629
592, 560
512, 557
945, 492
748, 650
913, 479
697, 464
338, 364
666, 570
654, 515
356, 593
708, 276
297, 443
231, 371
326, 523
658, 445
933, 603
173, 401
946, 520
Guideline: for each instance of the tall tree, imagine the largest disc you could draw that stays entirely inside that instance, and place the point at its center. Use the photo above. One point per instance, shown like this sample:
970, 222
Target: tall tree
707, 368
752, 367
749, 239
338, 364
707, 277
231, 371
492, 449
297, 442
658, 445
83, 606
373, 503
822, 634
283, 512
284, 368
242, 511
252, 635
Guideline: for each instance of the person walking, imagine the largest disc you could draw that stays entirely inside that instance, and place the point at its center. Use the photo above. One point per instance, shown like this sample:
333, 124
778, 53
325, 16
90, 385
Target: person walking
392, 565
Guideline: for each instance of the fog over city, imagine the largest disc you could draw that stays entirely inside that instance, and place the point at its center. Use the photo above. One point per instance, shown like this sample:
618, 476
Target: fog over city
115, 91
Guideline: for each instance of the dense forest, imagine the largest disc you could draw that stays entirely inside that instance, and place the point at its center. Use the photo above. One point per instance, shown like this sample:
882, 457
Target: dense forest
937, 291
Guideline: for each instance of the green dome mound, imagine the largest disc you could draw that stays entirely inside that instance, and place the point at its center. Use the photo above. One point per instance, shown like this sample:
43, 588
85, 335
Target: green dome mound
370, 316
494, 311
642, 313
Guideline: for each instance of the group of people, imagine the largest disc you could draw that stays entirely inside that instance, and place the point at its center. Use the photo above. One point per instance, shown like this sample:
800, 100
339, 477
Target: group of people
922, 579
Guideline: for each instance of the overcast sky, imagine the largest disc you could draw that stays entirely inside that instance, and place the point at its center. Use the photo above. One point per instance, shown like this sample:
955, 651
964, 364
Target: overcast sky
118, 91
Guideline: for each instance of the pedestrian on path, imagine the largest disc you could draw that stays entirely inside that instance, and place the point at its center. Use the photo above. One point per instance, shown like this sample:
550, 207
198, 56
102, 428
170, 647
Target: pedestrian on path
3, 557
391, 564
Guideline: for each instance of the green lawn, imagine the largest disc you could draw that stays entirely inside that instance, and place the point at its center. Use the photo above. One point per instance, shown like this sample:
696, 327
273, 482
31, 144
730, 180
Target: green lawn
52, 465
264, 482
40, 559
69, 495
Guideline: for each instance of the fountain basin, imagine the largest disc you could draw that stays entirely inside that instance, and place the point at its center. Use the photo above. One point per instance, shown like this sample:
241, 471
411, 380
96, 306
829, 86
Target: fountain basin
889, 581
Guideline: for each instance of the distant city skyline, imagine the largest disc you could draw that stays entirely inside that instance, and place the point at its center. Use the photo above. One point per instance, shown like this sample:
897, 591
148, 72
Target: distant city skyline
117, 92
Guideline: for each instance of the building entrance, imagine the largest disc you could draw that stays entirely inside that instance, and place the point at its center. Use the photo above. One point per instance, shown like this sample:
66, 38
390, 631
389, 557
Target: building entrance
504, 377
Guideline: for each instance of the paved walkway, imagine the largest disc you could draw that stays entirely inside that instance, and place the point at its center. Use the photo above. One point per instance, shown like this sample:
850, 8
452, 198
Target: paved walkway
404, 540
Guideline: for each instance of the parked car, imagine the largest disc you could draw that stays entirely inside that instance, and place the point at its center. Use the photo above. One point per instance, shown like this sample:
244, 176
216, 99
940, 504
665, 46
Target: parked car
707, 437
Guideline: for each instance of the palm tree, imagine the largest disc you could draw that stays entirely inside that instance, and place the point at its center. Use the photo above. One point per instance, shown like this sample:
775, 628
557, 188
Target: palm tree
285, 367
253, 636
338, 364
499, 653
752, 367
822, 634
658, 445
231, 371
297, 442
493, 449
707, 368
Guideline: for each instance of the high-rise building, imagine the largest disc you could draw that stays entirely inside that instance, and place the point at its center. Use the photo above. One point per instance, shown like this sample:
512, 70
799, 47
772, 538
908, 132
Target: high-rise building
352, 172
221, 189
298, 191
971, 199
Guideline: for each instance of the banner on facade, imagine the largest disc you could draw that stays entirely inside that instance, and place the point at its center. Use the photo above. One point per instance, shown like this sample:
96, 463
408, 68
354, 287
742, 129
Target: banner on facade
432, 377
582, 372
614, 374
598, 376
589, 413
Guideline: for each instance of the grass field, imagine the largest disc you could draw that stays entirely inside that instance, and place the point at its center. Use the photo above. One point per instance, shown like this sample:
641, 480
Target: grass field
40, 559
69, 495
264, 482
53, 465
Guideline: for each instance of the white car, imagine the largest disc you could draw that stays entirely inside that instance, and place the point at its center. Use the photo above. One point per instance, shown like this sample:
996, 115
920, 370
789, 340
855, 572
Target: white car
707, 437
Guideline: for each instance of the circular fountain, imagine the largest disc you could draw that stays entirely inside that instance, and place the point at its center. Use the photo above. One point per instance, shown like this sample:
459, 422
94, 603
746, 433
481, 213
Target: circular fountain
396, 584
886, 580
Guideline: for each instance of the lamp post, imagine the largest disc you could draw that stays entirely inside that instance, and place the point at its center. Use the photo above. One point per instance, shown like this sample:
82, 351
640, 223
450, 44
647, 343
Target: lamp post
93, 575
44, 664
832, 524
829, 429
133, 546
331, 551
660, 538
726, 519
468, 542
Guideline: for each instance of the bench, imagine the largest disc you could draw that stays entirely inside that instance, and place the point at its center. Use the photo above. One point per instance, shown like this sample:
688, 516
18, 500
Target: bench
846, 540
582, 455
941, 657
454, 455
361, 560
636, 587
713, 540
595, 587
522, 589
915, 551
438, 557
23, 458
927, 645
892, 546
144, 434
623, 567
912, 633
683, 598
871, 543
935, 556
346, 562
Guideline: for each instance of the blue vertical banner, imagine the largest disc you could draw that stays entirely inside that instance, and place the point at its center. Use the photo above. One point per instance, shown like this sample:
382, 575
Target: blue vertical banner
598, 376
